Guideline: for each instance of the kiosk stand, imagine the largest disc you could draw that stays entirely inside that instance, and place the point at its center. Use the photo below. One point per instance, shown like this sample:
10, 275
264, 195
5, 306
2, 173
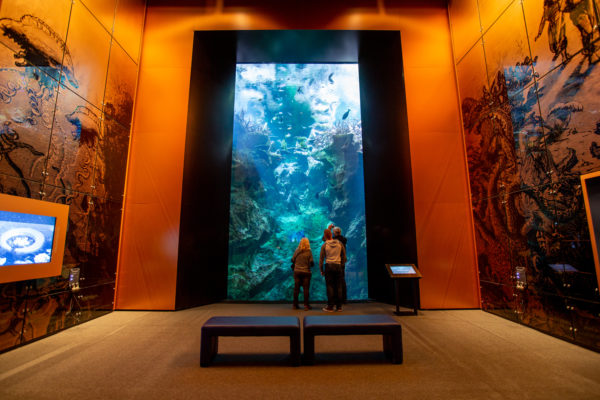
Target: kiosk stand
405, 271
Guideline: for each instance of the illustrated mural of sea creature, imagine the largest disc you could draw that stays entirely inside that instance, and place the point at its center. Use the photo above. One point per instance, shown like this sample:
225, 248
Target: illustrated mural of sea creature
39, 45
54, 144
537, 120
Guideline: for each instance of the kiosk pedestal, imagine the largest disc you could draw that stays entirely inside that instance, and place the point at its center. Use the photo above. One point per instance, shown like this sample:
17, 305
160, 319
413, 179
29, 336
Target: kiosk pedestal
403, 272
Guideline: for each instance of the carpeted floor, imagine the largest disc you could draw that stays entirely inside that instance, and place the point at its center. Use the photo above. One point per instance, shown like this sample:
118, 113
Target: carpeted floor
466, 354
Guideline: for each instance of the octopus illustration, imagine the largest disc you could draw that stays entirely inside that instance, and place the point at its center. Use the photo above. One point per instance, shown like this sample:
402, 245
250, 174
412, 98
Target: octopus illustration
39, 45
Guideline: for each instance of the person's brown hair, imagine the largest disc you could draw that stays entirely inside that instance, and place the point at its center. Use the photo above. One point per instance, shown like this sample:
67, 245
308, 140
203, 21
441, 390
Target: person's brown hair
304, 244
327, 234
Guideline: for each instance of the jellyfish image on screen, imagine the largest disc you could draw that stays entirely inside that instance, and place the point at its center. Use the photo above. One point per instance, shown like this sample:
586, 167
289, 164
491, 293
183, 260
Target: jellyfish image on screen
25, 238
297, 167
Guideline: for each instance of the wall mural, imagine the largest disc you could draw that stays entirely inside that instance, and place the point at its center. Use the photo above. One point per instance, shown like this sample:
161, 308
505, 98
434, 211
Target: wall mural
297, 167
65, 116
531, 129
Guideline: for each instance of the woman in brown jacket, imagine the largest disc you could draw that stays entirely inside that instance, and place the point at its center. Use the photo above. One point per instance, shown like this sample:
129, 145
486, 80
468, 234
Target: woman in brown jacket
303, 261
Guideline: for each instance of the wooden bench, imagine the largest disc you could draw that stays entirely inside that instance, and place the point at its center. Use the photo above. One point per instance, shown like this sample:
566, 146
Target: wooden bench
248, 326
377, 324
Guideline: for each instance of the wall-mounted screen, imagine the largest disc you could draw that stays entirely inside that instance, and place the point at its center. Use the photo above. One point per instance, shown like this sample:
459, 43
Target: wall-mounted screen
25, 238
297, 167
32, 238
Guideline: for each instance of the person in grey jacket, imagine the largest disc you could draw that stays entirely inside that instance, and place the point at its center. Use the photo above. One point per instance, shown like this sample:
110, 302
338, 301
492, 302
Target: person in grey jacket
336, 232
333, 254
303, 261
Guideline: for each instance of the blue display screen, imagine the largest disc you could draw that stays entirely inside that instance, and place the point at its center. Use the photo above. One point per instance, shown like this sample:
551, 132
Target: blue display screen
402, 270
25, 238
297, 166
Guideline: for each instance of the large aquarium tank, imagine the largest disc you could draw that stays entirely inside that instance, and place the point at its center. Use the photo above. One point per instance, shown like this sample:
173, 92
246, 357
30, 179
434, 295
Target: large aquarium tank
297, 166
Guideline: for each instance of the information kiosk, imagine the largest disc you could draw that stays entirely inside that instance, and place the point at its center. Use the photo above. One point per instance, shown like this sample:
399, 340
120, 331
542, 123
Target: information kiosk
399, 272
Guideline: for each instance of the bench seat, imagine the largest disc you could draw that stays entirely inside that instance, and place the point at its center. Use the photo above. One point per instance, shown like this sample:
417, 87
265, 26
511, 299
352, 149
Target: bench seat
248, 326
375, 324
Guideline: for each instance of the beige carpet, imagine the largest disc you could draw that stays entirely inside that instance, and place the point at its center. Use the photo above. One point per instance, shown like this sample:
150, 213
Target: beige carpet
155, 355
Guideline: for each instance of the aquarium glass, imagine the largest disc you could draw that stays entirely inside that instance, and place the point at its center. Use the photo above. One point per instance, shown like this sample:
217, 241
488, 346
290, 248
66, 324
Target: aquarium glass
297, 167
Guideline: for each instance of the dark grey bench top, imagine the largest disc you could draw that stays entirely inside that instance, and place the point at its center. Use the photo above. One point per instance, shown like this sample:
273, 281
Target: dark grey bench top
251, 326
350, 324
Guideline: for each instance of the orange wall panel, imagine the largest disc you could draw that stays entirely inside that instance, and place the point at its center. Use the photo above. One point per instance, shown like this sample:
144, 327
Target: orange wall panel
489, 10
148, 272
466, 28
419, 83
103, 10
443, 223
129, 21
442, 211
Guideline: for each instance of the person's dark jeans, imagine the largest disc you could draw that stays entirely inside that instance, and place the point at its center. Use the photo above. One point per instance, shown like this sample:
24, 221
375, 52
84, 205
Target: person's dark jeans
333, 281
344, 288
302, 279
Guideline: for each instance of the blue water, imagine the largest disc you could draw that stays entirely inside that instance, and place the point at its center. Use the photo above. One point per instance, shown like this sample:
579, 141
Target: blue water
297, 166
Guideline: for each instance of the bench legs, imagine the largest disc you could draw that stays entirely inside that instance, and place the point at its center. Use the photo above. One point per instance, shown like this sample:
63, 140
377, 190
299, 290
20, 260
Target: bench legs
209, 346
309, 348
295, 349
392, 347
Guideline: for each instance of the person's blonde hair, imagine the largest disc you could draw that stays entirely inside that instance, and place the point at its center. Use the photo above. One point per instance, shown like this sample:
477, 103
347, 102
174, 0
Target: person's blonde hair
304, 244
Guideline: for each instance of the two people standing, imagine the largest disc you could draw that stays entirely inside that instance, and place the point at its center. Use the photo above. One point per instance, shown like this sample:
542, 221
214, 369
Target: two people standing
332, 262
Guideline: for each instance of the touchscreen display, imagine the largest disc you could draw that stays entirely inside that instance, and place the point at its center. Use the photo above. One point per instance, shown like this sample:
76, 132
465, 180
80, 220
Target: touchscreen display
402, 269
